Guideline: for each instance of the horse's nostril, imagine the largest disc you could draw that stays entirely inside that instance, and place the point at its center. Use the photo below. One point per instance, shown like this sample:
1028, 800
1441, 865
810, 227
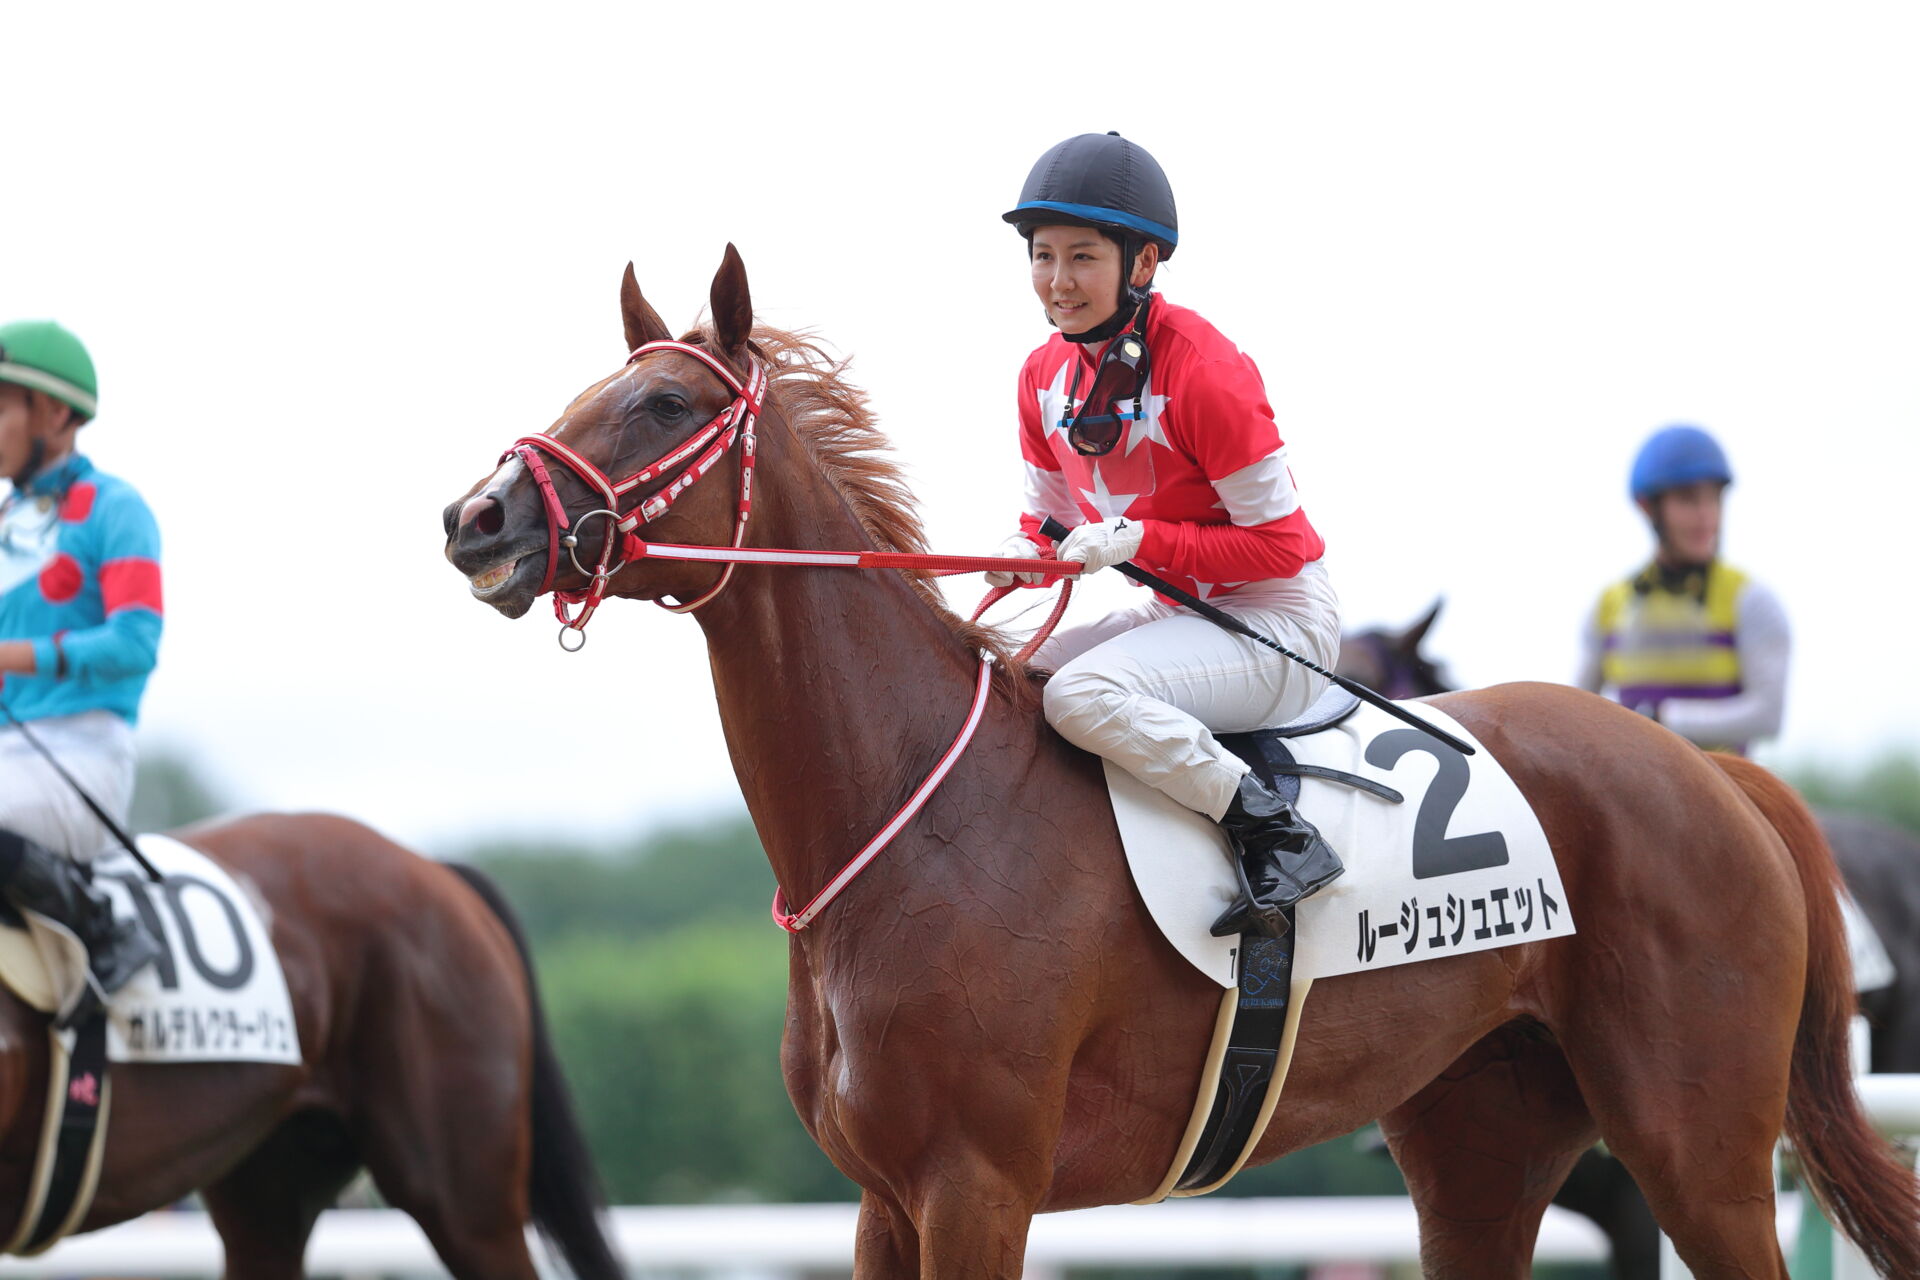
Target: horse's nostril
486, 516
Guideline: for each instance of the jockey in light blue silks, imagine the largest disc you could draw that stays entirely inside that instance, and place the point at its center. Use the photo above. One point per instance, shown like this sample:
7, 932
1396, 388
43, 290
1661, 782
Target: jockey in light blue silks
80, 620
1688, 639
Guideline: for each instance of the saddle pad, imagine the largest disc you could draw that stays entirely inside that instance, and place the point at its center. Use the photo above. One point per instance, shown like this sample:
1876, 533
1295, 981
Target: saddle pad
1462, 865
216, 995
1872, 966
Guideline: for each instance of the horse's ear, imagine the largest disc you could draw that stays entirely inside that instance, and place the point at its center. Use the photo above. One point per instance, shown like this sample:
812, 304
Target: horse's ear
730, 304
643, 323
1414, 636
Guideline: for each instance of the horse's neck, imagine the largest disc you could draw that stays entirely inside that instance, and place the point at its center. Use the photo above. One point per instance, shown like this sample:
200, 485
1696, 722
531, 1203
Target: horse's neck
839, 689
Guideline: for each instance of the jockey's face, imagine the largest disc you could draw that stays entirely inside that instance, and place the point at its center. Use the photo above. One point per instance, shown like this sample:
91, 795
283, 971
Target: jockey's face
26, 416
1687, 520
1076, 275
15, 441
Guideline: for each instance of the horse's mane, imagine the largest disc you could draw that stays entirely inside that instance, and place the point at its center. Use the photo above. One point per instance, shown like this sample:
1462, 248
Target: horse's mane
830, 416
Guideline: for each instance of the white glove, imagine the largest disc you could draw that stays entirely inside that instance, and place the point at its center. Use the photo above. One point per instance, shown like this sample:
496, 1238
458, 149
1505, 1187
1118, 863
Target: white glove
1107, 543
1017, 547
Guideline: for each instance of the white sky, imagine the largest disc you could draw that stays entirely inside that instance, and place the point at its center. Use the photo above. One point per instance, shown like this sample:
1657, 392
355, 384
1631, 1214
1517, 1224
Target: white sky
331, 259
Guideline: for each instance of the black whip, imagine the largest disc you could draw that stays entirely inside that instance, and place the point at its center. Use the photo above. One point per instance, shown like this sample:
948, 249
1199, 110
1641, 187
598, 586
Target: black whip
1220, 618
106, 819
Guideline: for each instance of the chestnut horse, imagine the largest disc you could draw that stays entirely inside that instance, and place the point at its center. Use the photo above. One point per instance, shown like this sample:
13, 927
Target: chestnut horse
987, 1025
426, 1062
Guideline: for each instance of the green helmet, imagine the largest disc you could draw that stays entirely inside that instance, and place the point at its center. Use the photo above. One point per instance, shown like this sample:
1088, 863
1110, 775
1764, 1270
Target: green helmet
45, 356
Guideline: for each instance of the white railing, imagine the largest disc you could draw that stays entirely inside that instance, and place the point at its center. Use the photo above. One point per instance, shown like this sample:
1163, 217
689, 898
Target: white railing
772, 1241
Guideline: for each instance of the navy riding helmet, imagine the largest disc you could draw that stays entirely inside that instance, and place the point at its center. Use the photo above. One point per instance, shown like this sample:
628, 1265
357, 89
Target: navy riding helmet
1101, 180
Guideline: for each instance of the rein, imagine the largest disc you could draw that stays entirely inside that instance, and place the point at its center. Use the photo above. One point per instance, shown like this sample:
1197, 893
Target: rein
679, 468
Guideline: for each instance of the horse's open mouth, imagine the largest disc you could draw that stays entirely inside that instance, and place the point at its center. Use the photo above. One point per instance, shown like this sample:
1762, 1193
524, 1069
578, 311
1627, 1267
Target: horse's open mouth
510, 585
491, 580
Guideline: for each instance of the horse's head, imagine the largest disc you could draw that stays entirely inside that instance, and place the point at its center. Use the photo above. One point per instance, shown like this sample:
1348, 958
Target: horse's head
1390, 662
558, 510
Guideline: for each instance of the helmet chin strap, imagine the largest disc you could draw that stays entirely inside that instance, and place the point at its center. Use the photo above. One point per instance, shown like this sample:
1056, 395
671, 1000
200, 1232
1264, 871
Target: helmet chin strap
36, 458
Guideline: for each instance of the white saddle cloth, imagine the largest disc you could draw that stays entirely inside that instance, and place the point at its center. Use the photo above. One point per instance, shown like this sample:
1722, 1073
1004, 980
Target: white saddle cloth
1461, 865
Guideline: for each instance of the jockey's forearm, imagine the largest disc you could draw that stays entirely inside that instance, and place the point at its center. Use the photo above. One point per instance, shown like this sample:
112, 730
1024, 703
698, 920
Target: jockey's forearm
16, 657
1230, 552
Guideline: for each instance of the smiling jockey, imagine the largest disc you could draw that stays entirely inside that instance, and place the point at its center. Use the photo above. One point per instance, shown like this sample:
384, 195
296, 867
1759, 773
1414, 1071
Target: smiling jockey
1148, 429
80, 619
1689, 640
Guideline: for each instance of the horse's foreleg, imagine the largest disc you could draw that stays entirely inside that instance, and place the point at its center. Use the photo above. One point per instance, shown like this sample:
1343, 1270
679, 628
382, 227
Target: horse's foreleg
1483, 1148
973, 1220
886, 1247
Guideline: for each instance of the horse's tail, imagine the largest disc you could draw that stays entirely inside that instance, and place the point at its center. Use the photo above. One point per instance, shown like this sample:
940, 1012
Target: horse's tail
1851, 1170
563, 1189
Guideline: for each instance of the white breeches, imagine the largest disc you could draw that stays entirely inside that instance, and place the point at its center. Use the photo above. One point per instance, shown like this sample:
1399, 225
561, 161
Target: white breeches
96, 747
1147, 686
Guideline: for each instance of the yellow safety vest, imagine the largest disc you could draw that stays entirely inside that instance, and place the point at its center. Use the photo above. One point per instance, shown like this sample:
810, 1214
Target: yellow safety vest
1658, 643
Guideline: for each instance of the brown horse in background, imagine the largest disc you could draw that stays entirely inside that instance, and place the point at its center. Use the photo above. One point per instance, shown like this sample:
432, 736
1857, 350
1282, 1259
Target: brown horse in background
426, 1062
988, 1025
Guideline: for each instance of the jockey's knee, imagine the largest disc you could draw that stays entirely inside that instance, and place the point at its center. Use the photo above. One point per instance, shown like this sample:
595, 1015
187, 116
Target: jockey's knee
1081, 704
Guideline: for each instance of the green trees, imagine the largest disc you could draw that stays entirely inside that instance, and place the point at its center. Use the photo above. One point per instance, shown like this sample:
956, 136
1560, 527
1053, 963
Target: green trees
1887, 788
665, 984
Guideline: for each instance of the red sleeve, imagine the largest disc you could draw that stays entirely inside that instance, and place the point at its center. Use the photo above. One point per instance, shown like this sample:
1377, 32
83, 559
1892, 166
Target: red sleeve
1221, 419
1230, 553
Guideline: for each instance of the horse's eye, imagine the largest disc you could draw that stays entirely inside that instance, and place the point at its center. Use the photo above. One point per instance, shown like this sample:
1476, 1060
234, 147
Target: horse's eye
668, 408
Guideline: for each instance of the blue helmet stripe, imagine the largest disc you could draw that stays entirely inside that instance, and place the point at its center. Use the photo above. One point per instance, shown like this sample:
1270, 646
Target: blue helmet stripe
1096, 213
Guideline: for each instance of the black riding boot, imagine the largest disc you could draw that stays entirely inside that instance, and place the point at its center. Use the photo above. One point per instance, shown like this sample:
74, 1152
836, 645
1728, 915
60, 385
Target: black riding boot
43, 881
1282, 859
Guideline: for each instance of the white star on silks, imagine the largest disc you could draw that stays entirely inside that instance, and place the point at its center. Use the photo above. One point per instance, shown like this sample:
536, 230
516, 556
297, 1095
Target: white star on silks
1054, 405
1147, 425
1105, 501
1205, 590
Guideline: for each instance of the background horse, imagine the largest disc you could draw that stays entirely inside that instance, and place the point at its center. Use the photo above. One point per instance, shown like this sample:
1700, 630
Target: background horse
426, 1062
1881, 867
988, 1025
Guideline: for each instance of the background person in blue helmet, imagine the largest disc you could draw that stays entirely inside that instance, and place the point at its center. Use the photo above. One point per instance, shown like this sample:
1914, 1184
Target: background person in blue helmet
1688, 639
80, 620
1145, 427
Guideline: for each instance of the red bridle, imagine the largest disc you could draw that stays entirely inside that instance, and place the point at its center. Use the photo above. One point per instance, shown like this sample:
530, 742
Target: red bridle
678, 468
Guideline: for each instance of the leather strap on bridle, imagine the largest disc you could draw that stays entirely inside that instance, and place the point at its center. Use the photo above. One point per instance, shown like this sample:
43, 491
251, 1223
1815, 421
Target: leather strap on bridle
678, 468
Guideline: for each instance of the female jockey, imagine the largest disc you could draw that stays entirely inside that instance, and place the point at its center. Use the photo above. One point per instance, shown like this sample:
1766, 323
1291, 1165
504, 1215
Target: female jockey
1150, 431
79, 629
1690, 640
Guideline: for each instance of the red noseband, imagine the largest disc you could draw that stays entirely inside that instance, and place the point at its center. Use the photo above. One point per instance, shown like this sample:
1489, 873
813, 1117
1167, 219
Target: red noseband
678, 468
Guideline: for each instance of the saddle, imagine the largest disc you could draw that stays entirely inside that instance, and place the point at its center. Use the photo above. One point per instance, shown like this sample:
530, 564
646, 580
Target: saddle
1267, 754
